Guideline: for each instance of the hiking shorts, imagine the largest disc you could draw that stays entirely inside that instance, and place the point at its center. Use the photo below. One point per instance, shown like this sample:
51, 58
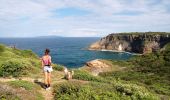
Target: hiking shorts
48, 69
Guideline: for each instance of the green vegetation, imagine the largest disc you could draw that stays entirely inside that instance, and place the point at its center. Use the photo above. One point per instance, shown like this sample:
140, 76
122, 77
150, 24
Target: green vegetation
141, 33
15, 62
15, 68
58, 67
151, 71
30, 87
24, 84
2, 48
101, 91
84, 75
146, 78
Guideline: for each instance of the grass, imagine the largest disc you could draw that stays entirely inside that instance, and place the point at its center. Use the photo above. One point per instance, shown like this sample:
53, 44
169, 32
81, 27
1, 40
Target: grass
7, 94
102, 91
24, 84
84, 75
151, 71
16, 63
29, 86
58, 67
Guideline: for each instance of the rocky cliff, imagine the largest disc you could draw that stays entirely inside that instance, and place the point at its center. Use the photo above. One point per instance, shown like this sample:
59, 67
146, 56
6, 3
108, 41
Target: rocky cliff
132, 42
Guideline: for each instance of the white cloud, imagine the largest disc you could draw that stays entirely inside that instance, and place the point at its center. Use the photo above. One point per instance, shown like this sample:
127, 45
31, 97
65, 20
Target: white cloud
38, 17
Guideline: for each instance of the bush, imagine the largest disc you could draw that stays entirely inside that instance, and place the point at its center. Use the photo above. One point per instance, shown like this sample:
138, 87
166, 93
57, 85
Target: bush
15, 68
58, 67
73, 90
83, 75
101, 91
28, 53
2, 48
135, 92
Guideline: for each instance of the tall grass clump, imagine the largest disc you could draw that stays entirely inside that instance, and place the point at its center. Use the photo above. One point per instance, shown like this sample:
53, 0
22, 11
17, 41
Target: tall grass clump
2, 48
15, 68
84, 75
101, 91
58, 67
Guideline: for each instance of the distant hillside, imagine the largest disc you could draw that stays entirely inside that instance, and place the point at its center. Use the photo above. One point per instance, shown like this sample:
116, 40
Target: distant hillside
50, 36
133, 42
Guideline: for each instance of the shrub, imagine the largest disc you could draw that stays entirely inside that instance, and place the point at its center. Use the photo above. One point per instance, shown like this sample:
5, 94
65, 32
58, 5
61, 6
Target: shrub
66, 90
73, 90
101, 91
58, 67
136, 92
15, 68
28, 53
83, 75
2, 48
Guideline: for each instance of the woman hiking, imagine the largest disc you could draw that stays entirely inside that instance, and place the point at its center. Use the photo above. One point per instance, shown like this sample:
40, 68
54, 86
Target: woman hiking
46, 65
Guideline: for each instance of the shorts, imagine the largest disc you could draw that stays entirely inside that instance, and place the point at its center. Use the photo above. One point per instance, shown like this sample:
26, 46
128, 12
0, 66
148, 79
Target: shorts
48, 69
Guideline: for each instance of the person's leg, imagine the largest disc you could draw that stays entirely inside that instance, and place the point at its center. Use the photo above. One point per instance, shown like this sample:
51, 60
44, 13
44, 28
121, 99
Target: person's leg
49, 79
46, 79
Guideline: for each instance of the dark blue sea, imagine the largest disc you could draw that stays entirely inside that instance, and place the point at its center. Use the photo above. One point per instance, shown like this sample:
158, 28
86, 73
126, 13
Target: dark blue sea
67, 51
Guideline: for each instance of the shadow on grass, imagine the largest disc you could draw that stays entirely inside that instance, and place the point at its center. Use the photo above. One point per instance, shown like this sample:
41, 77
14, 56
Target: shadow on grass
40, 83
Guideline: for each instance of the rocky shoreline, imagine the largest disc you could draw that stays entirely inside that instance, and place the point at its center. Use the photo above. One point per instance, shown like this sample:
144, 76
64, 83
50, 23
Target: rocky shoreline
105, 50
139, 43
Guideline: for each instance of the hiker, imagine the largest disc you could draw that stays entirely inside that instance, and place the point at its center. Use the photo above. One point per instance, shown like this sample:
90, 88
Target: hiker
47, 68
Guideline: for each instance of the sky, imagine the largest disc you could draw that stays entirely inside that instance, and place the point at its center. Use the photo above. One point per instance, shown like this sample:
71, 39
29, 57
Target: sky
82, 18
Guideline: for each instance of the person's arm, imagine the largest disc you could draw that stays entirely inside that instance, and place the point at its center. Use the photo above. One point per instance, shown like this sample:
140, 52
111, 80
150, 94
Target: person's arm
50, 60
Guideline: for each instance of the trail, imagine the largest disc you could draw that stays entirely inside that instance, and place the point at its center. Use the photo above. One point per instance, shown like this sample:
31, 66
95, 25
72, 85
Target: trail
47, 94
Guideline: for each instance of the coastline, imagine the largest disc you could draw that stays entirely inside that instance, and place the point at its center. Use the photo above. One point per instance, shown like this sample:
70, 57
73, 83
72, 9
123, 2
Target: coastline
105, 50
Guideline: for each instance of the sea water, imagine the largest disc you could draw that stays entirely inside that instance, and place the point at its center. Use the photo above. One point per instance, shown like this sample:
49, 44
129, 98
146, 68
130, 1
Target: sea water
68, 51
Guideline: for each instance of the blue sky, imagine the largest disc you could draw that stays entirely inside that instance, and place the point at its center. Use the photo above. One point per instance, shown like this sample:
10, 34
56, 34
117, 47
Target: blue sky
82, 18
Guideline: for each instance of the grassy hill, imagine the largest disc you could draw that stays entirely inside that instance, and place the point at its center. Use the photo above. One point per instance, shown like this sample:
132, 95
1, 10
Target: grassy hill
15, 62
21, 76
146, 78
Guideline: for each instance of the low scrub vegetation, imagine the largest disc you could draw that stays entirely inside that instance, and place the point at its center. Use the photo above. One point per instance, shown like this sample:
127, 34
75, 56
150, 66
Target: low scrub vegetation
101, 91
84, 75
58, 67
16, 63
151, 70
15, 68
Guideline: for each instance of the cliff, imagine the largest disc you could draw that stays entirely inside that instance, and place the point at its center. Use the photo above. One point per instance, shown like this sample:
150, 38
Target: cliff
132, 42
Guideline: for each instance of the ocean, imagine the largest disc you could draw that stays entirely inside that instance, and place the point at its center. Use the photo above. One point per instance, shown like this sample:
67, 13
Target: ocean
68, 51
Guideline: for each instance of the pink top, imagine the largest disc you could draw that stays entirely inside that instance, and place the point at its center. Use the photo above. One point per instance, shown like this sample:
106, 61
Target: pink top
46, 60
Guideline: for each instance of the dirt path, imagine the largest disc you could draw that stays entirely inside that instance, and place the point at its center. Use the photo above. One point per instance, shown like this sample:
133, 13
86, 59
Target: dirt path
47, 94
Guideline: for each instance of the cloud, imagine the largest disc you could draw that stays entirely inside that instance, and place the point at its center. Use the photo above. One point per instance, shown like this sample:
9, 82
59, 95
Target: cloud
82, 17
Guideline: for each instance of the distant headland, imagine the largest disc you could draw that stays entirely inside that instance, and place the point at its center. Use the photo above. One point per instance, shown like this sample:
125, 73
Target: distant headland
135, 42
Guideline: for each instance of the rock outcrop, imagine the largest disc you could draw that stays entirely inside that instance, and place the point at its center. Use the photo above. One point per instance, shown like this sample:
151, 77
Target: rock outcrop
132, 42
97, 66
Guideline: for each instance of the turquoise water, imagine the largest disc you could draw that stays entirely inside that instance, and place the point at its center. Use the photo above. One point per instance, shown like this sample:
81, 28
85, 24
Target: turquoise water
70, 52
